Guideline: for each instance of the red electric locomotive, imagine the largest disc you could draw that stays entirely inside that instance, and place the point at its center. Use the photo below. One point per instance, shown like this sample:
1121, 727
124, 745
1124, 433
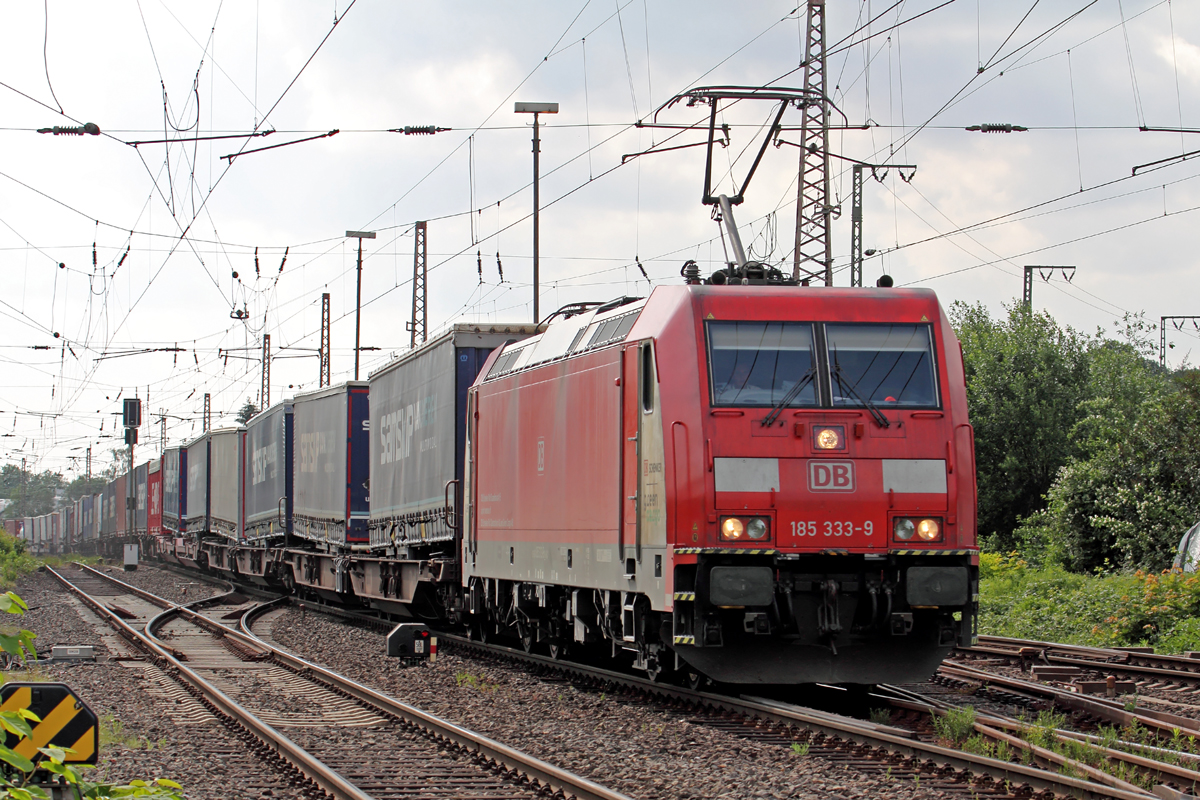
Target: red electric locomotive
753, 483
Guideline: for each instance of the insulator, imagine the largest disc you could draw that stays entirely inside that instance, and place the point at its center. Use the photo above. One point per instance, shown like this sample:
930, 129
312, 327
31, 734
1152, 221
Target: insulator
409, 130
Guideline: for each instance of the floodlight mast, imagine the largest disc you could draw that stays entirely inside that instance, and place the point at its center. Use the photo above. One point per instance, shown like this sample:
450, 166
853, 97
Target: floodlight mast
360, 235
536, 109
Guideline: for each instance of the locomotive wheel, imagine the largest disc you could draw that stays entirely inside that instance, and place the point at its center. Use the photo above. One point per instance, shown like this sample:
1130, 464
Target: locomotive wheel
695, 681
527, 640
558, 650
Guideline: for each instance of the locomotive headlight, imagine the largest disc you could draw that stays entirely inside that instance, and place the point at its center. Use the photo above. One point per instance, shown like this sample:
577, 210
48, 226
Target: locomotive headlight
904, 529
929, 530
828, 438
733, 529
757, 529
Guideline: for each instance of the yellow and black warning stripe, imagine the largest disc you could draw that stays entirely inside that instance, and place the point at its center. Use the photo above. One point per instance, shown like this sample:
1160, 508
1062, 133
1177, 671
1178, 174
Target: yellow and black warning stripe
723, 551
931, 552
684, 640
66, 721
689, 596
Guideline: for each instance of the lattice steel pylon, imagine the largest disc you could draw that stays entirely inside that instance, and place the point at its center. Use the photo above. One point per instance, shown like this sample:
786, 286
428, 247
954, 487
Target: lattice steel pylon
207, 411
420, 316
814, 248
265, 396
324, 352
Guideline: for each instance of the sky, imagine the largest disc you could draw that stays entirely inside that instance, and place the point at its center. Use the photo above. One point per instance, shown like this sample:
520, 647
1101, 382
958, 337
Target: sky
118, 251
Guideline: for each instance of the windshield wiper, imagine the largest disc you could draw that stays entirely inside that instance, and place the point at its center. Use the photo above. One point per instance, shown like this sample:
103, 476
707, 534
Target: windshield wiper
791, 395
845, 382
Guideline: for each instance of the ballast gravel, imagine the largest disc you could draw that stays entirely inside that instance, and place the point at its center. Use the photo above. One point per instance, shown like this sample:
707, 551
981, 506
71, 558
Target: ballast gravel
143, 736
640, 751
643, 752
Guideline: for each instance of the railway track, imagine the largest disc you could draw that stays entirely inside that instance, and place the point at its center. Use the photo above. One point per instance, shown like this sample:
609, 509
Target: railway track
1140, 663
317, 733
910, 754
867, 747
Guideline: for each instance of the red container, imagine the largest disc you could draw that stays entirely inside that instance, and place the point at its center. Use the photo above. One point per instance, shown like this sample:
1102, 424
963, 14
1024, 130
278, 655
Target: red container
154, 498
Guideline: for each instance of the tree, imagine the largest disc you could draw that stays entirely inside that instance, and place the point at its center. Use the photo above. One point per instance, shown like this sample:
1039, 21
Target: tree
246, 412
84, 486
1025, 379
32, 494
1127, 500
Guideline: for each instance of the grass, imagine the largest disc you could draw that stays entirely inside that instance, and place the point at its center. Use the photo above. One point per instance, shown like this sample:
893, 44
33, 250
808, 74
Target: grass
956, 725
1104, 610
112, 731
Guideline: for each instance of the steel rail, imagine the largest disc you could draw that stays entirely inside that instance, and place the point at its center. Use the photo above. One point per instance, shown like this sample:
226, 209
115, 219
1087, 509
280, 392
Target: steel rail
857, 731
556, 779
1101, 707
1132, 662
300, 759
1003, 728
522, 764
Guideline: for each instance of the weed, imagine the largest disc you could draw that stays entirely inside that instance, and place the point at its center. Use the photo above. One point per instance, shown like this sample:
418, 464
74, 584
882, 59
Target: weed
800, 748
112, 731
956, 725
881, 716
979, 746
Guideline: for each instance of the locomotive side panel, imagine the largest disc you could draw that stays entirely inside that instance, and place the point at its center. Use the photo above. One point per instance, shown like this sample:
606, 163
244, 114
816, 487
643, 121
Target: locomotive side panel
548, 474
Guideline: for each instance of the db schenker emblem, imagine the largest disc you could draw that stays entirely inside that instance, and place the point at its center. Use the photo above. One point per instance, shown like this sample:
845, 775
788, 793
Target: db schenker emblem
831, 476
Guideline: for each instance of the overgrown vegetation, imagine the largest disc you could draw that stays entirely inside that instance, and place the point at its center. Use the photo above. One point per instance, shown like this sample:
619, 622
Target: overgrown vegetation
1088, 452
1102, 610
14, 561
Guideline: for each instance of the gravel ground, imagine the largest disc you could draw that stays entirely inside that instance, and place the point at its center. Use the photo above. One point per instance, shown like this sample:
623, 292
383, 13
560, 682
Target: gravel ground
642, 752
164, 583
141, 737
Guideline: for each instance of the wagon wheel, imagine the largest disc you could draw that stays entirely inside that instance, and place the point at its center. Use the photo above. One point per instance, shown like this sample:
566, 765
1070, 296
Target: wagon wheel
558, 650
695, 681
525, 634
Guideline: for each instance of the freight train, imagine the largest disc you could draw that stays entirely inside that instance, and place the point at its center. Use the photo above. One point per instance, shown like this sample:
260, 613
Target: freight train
738, 479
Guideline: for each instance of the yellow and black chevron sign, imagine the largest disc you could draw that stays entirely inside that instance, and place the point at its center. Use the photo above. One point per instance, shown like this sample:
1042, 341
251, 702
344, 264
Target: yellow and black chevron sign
66, 721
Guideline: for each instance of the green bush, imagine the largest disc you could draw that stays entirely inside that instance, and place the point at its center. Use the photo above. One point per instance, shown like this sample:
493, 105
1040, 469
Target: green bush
14, 561
1125, 609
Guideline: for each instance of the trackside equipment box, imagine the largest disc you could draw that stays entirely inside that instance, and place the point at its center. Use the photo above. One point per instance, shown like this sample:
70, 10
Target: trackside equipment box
412, 642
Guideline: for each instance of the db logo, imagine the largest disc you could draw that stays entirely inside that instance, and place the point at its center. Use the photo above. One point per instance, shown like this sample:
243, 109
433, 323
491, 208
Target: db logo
831, 476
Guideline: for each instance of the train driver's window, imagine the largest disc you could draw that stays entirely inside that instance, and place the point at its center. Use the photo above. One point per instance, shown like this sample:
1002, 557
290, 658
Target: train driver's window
889, 365
760, 363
